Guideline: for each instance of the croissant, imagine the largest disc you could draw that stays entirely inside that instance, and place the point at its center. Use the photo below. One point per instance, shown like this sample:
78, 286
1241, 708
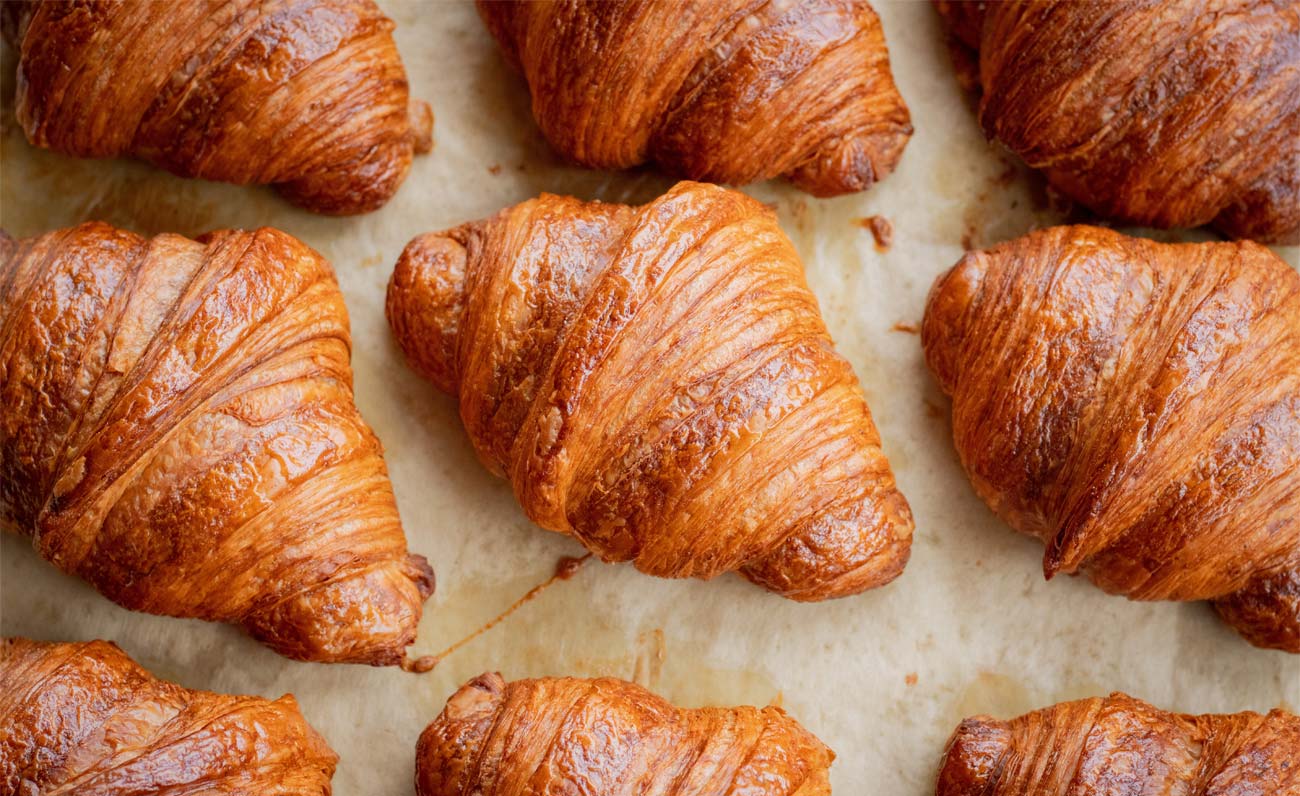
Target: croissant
657, 382
606, 736
309, 96
1165, 113
728, 91
1121, 746
1135, 405
177, 428
85, 719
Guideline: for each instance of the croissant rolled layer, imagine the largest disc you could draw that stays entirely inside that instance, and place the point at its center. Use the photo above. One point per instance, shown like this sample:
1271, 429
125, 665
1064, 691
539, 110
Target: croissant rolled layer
657, 382
177, 428
1136, 405
309, 96
607, 736
1121, 746
1165, 114
729, 91
85, 719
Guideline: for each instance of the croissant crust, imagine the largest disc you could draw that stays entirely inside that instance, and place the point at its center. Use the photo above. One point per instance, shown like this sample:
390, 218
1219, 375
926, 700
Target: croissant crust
307, 95
1121, 746
1136, 405
86, 719
177, 428
606, 736
1165, 114
729, 91
657, 382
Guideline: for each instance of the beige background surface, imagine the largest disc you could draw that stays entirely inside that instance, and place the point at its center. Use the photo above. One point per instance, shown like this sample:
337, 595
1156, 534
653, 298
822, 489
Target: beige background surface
883, 678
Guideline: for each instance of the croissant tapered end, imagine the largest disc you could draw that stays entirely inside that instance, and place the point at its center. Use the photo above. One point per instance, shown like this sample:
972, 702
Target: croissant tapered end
724, 91
595, 737
657, 382
177, 427
425, 299
1135, 405
310, 97
974, 758
1128, 108
1266, 612
1123, 746
84, 718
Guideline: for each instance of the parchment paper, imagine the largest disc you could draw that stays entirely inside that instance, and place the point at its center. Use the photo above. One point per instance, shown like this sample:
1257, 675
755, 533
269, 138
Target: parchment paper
883, 678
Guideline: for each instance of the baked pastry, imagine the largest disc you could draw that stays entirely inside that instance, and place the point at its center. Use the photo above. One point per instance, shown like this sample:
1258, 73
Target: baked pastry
728, 91
1165, 114
310, 97
85, 719
657, 382
1121, 746
177, 428
598, 737
1135, 405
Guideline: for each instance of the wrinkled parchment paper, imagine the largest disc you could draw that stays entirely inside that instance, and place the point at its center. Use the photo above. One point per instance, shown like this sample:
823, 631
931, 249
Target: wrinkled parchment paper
883, 678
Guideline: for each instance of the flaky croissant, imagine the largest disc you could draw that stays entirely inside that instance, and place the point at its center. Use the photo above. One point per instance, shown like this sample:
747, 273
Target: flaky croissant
1166, 114
728, 91
1121, 746
308, 96
657, 382
605, 736
85, 719
177, 428
1135, 405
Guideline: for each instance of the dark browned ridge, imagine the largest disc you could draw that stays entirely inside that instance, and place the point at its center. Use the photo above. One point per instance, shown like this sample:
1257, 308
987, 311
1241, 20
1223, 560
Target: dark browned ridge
310, 97
1136, 406
1154, 112
727, 91
177, 428
658, 383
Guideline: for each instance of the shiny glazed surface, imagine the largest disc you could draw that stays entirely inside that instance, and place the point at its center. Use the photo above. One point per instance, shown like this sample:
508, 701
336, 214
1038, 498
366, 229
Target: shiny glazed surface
308, 96
729, 91
657, 381
1121, 746
609, 737
1165, 114
86, 720
1135, 405
177, 428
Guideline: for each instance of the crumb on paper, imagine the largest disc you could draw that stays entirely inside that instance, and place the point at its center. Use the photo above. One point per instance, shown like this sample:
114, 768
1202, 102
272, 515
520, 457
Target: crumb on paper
882, 230
494, 169
372, 261
909, 328
778, 700
932, 409
910, 679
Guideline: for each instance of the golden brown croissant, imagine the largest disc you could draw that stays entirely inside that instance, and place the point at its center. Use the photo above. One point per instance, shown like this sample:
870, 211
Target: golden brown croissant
177, 428
1121, 746
720, 90
605, 737
1166, 114
308, 96
1136, 405
657, 382
85, 719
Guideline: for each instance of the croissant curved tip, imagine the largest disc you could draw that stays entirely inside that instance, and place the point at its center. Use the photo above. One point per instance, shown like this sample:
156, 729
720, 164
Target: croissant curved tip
423, 306
942, 328
974, 758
